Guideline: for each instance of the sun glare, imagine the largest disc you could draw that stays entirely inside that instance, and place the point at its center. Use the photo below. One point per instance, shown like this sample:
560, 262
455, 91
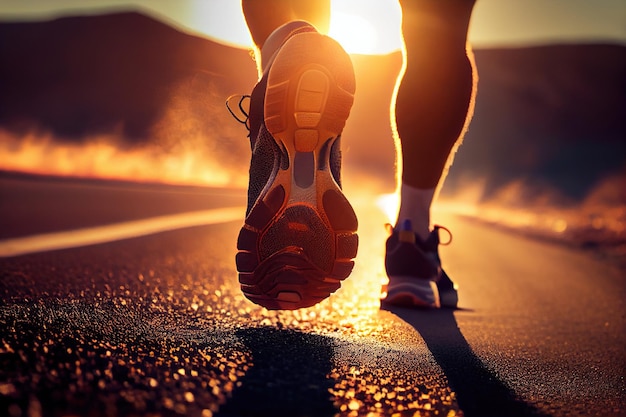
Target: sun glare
389, 204
361, 26
354, 33
367, 27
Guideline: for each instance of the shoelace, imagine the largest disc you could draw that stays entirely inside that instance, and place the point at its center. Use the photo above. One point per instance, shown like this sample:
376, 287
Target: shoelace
242, 108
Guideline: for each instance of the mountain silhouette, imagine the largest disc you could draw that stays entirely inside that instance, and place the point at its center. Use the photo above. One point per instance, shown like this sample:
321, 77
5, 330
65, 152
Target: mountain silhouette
79, 76
549, 114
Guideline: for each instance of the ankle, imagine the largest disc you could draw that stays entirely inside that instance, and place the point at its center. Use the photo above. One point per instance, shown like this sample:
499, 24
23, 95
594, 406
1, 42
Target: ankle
415, 206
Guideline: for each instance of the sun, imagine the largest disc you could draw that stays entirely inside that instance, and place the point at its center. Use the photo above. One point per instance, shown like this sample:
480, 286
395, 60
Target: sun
366, 27
369, 27
354, 33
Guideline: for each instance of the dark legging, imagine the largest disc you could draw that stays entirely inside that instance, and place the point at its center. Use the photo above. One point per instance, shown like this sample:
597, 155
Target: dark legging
434, 101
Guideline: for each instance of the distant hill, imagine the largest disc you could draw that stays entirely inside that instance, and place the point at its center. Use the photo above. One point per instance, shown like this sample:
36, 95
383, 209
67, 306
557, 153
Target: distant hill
548, 115
79, 76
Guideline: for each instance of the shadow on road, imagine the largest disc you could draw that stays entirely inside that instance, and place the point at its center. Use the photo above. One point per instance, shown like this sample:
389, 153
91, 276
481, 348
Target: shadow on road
479, 391
287, 377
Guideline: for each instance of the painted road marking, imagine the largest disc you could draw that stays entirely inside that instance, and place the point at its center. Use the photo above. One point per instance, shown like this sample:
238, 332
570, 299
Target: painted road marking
118, 231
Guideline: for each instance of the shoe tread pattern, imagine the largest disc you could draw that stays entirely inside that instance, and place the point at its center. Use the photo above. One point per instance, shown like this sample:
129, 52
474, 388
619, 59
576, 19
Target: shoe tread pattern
299, 238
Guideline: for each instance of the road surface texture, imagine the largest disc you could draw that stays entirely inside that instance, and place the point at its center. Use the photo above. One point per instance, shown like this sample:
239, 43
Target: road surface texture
156, 326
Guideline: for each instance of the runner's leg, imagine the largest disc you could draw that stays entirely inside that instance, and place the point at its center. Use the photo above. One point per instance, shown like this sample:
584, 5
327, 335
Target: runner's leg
434, 103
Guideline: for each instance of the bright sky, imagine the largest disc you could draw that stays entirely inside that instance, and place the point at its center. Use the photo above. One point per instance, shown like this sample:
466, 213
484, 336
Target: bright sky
494, 23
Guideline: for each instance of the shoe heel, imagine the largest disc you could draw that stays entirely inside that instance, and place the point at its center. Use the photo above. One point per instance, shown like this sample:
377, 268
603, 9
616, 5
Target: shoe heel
310, 92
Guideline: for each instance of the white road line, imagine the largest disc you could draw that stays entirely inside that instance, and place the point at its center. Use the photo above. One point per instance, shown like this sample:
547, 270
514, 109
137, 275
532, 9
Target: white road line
118, 231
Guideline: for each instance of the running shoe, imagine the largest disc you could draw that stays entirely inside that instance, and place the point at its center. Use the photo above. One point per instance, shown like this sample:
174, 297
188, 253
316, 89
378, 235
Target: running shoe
299, 237
413, 266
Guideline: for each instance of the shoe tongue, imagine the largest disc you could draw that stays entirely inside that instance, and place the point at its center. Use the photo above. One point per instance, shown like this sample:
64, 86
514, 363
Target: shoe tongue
406, 225
406, 234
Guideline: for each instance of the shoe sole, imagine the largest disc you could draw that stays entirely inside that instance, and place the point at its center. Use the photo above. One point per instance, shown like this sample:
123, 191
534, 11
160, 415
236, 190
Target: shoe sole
299, 239
411, 292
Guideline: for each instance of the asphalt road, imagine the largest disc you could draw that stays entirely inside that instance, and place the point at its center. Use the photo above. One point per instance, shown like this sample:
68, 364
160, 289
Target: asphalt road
156, 325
